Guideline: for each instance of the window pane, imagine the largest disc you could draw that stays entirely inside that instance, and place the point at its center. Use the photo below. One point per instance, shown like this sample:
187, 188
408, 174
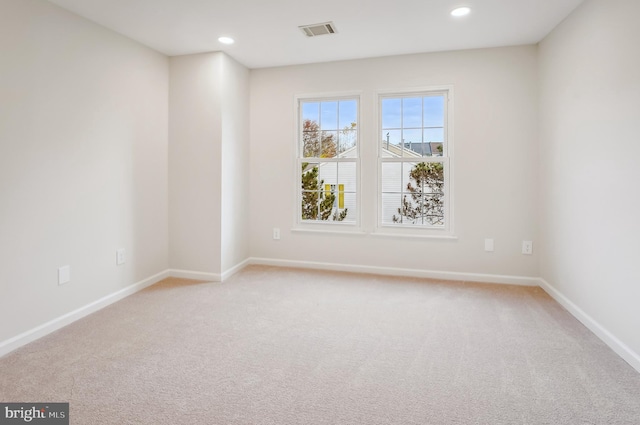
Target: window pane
412, 112
329, 115
434, 209
306, 168
328, 191
434, 111
436, 148
310, 144
434, 134
391, 113
328, 186
310, 138
347, 176
348, 114
412, 193
329, 143
347, 139
394, 137
391, 143
406, 174
412, 136
416, 209
412, 142
311, 111
310, 189
422, 201
412, 189
391, 177
349, 207
421, 149
390, 204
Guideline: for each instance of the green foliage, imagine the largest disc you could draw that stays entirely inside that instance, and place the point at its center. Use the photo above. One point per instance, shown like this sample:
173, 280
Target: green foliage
341, 215
426, 205
316, 205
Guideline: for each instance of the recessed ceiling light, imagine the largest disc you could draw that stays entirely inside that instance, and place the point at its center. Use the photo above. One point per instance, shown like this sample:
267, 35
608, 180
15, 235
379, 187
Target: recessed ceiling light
226, 40
460, 11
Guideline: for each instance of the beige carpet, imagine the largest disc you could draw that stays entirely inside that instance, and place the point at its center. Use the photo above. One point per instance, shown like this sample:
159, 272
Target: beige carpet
286, 346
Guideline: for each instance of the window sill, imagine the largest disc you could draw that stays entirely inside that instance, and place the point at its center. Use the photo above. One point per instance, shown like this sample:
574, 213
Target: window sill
377, 234
399, 235
333, 231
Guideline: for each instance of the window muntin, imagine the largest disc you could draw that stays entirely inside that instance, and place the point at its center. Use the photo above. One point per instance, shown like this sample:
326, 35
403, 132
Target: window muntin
328, 160
414, 160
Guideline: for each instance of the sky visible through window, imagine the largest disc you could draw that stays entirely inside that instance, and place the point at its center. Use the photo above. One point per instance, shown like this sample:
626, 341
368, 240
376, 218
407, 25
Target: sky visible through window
336, 115
413, 119
408, 119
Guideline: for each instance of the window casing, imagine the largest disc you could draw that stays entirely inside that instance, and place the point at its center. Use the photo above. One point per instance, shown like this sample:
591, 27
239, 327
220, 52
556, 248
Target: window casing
414, 157
328, 160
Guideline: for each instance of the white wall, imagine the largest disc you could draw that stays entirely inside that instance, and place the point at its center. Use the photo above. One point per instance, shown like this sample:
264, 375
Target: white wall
495, 160
235, 164
208, 157
589, 164
195, 154
83, 162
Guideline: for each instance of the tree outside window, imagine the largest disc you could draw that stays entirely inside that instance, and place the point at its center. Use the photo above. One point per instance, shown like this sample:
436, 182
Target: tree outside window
328, 160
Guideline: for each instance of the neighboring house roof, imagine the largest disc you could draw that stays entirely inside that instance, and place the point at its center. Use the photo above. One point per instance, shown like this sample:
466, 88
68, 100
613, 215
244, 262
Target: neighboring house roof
396, 151
410, 149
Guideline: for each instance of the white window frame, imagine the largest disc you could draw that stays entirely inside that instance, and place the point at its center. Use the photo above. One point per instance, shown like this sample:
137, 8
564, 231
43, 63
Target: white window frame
415, 230
321, 225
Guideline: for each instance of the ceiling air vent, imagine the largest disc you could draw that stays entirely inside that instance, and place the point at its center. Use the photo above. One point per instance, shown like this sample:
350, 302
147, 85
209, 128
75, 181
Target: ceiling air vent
318, 29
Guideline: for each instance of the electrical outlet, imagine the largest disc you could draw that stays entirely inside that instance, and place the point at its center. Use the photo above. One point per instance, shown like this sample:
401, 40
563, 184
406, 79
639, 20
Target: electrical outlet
488, 245
276, 233
64, 275
120, 256
527, 247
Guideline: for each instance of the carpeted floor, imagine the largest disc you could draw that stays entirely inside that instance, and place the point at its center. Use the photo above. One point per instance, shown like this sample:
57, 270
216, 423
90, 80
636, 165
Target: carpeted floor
287, 346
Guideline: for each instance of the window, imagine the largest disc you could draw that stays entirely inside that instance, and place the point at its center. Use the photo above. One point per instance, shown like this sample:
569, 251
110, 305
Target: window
414, 160
328, 160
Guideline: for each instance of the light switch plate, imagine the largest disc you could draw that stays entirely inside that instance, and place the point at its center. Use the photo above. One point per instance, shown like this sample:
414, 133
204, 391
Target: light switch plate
488, 245
64, 275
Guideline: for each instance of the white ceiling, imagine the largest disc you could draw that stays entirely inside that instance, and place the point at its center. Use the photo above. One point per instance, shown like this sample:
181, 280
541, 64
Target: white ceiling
267, 34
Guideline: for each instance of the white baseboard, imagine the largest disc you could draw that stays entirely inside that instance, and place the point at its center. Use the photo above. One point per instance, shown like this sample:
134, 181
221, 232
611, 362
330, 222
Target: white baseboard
66, 319
213, 277
189, 274
392, 271
600, 331
235, 269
